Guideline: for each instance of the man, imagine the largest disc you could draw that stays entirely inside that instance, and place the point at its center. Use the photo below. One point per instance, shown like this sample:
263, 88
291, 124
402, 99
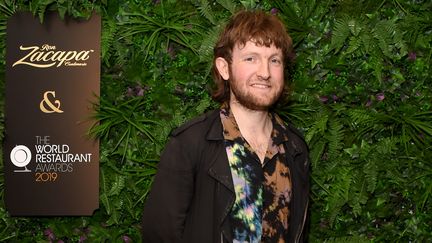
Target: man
237, 174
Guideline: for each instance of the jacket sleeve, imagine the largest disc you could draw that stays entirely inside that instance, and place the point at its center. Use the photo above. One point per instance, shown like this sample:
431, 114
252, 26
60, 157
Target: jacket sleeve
168, 202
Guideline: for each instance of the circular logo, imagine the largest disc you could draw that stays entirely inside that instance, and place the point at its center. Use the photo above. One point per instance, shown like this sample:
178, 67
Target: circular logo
20, 156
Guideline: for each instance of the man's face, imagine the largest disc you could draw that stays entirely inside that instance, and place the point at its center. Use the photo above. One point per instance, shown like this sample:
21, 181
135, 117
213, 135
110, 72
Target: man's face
256, 75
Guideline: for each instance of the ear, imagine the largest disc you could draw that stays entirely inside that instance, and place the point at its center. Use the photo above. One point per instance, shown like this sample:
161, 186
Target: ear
222, 67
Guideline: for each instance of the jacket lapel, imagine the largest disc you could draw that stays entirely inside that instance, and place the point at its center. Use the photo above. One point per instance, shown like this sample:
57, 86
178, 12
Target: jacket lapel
219, 167
220, 171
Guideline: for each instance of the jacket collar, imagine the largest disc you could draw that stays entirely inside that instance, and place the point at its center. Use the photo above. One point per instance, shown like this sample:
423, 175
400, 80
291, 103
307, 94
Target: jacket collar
215, 131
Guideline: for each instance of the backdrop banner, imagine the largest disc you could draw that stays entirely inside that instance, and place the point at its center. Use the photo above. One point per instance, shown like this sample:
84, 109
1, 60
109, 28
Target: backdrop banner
51, 164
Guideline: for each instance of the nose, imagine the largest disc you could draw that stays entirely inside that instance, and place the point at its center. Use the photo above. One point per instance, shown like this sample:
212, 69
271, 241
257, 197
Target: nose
264, 70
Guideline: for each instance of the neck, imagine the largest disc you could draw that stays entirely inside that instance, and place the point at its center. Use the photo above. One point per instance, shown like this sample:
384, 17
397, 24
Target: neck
255, 127
249, 121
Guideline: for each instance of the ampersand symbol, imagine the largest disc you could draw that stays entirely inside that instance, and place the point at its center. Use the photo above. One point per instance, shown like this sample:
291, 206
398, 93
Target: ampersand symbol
46, 101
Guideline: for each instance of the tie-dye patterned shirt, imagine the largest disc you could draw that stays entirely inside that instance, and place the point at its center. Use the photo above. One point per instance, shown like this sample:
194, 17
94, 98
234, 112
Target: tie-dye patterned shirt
263, 191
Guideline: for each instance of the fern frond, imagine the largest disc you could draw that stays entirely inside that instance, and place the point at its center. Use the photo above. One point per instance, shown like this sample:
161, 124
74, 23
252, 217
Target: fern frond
400, 43
335, 138
365, 149
295, 18
341, 32
362, 121
383, 36
297, 113
117, 185
389, 39
370, 170
350, 239
377, 64
109, 29
209, 39
205, 10
354, 44
357, 192
228, 5
340, 192
317, 128
316, 153
356, 26
387, 145
303, 98
367, 42
104, 194
248, 4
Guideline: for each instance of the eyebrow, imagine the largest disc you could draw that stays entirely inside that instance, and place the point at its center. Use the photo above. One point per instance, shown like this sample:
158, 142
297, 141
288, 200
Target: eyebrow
257, 54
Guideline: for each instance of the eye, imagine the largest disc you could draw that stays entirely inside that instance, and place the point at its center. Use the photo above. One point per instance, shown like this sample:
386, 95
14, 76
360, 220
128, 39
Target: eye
276, 60
249, 59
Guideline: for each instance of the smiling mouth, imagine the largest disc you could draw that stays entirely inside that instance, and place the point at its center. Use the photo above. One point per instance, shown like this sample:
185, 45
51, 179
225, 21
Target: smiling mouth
261, 86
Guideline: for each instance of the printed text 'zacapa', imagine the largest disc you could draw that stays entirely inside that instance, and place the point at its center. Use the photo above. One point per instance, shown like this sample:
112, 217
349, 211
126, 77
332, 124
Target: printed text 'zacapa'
47, 56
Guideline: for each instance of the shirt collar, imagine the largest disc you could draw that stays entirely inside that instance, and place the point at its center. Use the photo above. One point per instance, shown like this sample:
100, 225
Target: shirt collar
231, 130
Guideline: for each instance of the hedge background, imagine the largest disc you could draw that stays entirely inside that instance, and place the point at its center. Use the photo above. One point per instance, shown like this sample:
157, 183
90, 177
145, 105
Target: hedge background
361, 95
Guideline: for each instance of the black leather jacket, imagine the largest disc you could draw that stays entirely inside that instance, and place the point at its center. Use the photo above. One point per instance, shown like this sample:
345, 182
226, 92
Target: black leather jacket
193, 191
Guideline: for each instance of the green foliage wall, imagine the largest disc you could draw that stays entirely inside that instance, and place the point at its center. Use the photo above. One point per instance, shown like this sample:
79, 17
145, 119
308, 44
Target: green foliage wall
361, 95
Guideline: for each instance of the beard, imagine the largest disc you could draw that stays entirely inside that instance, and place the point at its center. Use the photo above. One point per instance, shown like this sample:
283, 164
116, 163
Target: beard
252, 101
